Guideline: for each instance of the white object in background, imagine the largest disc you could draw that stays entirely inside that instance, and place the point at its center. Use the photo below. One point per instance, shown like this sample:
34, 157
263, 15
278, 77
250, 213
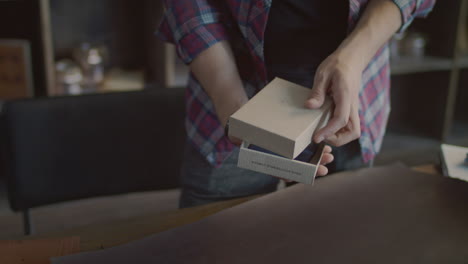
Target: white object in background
91, 59
453, 162
120, 80
69, 77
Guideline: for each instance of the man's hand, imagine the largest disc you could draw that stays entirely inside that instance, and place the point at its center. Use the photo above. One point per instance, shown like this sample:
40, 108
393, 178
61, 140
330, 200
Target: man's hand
322, 170
235, 141
326, 159
340, 74
342, 82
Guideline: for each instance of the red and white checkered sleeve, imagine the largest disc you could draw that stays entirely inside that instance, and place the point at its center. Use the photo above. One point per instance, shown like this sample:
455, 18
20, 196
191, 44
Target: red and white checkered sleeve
193, 26
411, 9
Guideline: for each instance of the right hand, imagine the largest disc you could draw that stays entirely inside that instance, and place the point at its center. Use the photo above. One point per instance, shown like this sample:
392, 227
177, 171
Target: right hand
339, 76
322, 170
224, 117
326, 159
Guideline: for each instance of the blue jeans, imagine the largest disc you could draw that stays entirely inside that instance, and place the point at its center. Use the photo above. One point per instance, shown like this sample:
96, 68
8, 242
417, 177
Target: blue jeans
202, 183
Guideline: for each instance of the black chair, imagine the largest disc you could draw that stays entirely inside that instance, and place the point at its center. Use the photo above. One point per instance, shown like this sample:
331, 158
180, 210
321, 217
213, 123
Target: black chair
67, 148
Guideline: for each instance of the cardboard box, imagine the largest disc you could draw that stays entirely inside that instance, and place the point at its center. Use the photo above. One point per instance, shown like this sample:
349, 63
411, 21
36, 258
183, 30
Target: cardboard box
279, 166
275, 119
453, 161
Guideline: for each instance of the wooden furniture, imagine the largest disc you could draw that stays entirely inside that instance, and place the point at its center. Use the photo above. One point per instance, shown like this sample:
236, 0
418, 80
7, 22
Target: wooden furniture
380, 215
15, 69
128, 29
100, 146
29, 21
433, 86
119, 232
428, 168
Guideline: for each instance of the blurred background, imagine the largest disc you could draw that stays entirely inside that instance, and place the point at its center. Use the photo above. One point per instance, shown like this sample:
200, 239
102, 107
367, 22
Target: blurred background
92, 71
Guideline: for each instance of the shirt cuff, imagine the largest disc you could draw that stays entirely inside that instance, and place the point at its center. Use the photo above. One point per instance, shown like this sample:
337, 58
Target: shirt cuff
407, 8
192, 36
200, 39
413, 8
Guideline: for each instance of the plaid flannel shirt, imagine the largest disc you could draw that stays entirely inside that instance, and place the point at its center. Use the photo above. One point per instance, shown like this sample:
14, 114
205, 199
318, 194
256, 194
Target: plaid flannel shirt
195, 25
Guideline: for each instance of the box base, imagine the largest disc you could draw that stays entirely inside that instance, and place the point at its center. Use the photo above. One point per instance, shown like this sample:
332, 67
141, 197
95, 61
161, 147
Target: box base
279, 166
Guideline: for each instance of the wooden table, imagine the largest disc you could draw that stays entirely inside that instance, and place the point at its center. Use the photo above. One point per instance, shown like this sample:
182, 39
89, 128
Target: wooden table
429, 169
115, 233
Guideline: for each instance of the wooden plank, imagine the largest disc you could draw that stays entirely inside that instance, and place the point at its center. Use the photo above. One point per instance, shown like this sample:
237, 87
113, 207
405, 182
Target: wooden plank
115, 233
37, 251
428, 168
419, 65
16, 80
455, 73
95, 237
48, 48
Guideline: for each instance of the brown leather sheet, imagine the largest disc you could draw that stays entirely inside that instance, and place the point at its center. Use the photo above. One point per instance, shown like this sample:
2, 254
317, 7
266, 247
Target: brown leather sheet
381, 215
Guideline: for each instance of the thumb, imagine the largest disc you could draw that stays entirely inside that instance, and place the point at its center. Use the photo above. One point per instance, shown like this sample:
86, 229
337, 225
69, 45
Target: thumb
317, 94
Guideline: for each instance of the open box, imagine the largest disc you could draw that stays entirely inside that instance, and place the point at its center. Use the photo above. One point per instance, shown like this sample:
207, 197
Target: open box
276, 120
279, 166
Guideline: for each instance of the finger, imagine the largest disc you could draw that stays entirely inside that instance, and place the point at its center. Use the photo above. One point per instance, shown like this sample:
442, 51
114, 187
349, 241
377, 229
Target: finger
351, 132
327, 159
355, 120
322, 171
327, 149
318, 92
235, 141
341, 138
340, 116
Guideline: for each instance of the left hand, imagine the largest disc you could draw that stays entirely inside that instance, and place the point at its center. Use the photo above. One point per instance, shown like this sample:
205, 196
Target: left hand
326, 159
322, 170
340, 78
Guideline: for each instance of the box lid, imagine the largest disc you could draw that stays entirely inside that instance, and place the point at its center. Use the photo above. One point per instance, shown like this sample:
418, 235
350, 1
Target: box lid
276, 119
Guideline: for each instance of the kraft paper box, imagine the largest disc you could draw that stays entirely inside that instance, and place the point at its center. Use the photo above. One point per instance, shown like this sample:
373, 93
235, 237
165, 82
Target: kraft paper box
275, 119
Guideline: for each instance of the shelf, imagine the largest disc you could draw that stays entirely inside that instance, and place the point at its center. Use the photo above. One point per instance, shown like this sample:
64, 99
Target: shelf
410, 149
398, 67
175, 73
181, 75
459, 134
463, 62
118, 80
418, 65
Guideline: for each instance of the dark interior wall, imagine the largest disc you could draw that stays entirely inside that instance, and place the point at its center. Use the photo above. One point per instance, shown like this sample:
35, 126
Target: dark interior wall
125, 27
118, 24
439, 28
419, 100
74, 22
21, 20
461, 110
154, 46
418, 103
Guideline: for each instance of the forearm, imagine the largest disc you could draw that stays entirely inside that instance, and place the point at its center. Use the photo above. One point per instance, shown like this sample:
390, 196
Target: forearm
216, 70
381, 19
